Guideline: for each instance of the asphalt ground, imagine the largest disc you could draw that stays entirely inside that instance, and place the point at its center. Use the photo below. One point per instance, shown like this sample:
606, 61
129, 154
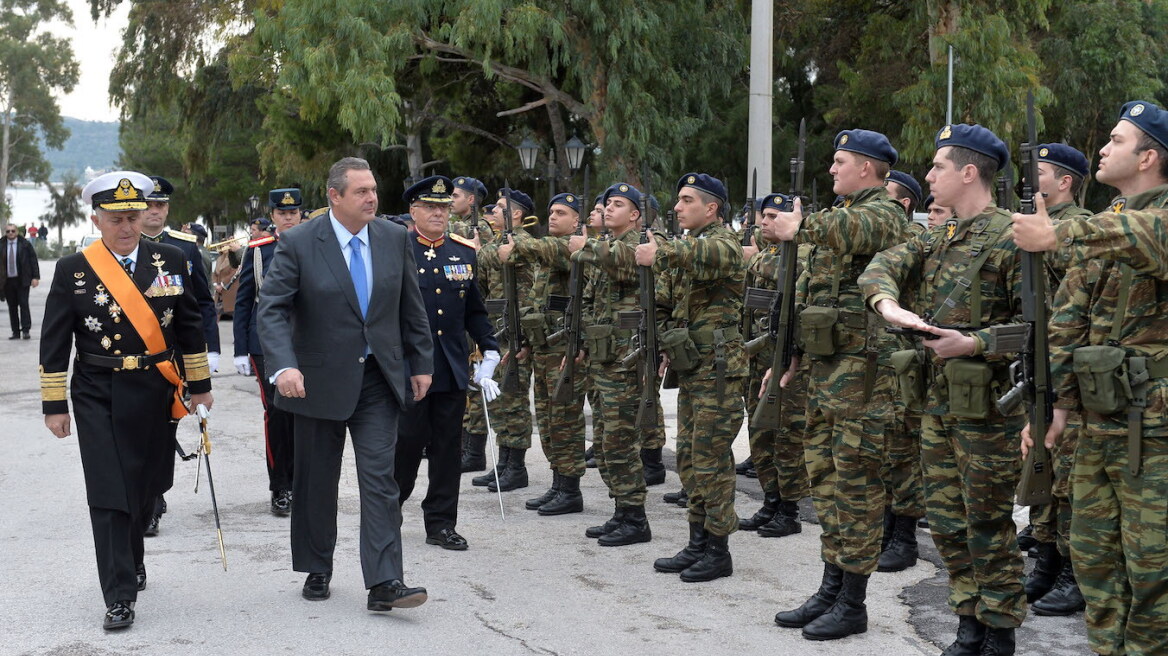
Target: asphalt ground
527, 585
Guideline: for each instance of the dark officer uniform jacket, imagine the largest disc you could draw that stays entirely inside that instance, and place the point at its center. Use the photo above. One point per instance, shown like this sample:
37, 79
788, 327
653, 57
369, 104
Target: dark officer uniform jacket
251, 277
199, 285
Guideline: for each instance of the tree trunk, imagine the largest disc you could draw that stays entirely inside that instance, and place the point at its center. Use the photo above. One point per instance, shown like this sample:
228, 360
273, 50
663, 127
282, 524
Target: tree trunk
944, 19
4, 145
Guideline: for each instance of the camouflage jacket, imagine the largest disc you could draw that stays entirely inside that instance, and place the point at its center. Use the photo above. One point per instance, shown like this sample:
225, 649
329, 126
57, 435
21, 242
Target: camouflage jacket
708, 289
551, 255
612, 287
525, 273
1086, 304
1059, 213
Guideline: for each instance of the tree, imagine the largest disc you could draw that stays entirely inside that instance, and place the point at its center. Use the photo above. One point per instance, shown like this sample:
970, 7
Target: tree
65, 207
33, 65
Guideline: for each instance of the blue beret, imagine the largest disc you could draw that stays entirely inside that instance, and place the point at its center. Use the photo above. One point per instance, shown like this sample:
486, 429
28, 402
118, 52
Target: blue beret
519, 198
975, 138
703, 182
758, 204
774, 202
263, 224
197, 230
162, 189
927, 202
567, 200
1066, 157
623, 189
1147, 117
653, 204
471, 185
284, 198
908, 182
434, 189
599, 199
867, 143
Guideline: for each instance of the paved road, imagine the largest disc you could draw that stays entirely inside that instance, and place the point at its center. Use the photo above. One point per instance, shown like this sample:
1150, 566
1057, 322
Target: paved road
528, 585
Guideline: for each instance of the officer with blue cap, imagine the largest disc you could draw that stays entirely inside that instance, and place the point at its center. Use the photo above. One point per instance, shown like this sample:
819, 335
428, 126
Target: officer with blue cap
467, 195
285, 205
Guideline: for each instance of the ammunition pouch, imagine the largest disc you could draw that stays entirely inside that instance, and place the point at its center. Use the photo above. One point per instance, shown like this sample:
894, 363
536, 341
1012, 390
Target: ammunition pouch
969, 383
535, 329
1102, 372
600, 342
817, 330
909, 366
683, 354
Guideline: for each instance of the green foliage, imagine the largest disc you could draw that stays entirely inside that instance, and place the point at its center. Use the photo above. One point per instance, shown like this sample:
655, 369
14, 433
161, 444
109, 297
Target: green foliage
65, 207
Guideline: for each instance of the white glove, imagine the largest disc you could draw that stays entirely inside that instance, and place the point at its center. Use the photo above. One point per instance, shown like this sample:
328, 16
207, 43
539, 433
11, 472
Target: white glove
243, 365
486, 369
213, 361
490, 389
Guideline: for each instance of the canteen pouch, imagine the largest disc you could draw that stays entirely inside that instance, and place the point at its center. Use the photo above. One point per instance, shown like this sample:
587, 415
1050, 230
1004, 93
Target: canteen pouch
683, 353
969, 388
534, 325
600, 343
817, 330
910, 377
1103, 380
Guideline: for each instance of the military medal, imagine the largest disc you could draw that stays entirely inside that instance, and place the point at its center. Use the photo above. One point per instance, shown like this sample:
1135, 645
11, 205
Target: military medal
106, 342
101, 298
115, 311
167, 317
430, 254
93, 323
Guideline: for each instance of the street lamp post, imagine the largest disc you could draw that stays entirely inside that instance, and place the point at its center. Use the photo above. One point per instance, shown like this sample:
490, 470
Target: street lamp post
253, 205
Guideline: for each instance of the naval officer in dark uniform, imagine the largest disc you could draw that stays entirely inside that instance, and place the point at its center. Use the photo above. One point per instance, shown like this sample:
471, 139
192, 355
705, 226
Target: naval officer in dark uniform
249, 355
446, 275
128, 305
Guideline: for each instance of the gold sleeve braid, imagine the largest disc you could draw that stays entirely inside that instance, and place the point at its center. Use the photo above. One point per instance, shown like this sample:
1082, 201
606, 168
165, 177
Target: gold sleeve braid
52, 385
196, 367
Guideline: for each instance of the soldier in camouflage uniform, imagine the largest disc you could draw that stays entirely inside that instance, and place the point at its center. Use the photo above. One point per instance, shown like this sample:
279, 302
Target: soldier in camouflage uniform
777, 454
1114, 302
903, 479
561, 427
1061, 172
511, 418
616, 387
970, 474
710, 362
848, 405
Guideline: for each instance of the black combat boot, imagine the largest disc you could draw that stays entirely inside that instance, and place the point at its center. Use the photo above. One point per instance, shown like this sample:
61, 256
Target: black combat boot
889, 527
608, 526
785, 522
633, 528
474, 452
1026, 540
998, 642
847, 616
1046, 569
500, 466
715, 563
677, 497
1064, 598
590, 458
514, 476
534, 504
970, 634
654, 469
744, 466
902, 552
818, 603
567, 500
691, 554
770, 506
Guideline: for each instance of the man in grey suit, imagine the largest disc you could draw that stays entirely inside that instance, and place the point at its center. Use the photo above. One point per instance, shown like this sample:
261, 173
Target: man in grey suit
343, 326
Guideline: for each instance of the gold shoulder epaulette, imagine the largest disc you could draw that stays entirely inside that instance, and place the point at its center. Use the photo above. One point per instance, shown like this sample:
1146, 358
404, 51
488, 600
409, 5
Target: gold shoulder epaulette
179, 234
317, 212
462, 240
261, 241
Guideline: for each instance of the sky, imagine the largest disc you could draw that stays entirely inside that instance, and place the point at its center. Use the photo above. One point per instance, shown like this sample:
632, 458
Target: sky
95, 47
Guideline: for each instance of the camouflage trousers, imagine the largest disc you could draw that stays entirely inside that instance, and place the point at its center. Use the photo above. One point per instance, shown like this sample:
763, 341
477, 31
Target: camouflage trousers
1052, 521
778, 454
709, 415
971, 471
561, 427
511, 412
618, 456
903, 479
1119, 543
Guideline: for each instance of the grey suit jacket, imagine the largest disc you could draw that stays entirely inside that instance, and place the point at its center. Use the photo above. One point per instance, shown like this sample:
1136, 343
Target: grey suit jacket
309, 318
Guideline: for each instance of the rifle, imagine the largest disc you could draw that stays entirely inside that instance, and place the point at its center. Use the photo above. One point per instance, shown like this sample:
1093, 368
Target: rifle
647, 349
565, 392
473, 230
782, 310
1006, 186
1030, 373
511, 310
671, 223
746, 325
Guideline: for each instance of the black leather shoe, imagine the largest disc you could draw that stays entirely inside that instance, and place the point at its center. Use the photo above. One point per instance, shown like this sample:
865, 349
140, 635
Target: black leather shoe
474, 452
119, 615
847, 616
316, 586
282, 503
447, 538
140, 575
395, 594
1046, 571
15, 336
152, 526
27, 336
998, 642
678, 497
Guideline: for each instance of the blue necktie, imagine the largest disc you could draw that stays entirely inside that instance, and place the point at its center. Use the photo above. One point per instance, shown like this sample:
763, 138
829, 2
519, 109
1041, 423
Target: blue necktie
128, 265
357, 271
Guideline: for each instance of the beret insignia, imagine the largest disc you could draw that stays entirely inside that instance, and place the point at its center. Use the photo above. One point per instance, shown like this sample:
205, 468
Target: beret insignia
1137, 110
1044, 152
843, 139
690, 180
946, 132
624, 187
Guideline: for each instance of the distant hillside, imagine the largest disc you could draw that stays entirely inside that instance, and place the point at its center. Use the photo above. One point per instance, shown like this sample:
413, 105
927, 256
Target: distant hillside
91, 144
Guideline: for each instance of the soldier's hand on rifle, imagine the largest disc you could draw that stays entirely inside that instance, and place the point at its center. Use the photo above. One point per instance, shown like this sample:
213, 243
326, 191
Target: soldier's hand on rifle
523, 354
647, 252
58, 424
789, 374
951, 343
766, 379
751, 250
898, 316
197, 400
505, 249
661, 368
576, 242
1058, 424
787, 224
1035, 232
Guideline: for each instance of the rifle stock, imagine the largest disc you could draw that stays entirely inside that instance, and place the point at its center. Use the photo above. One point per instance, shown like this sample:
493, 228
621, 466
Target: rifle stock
511, 383
565, 391
647, 408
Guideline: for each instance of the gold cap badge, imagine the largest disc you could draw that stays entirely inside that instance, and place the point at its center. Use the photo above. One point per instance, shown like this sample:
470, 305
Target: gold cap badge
623, 187
1044, 152
843, 140
1137, 110
946, 132
690, 180
287, 199
570, 198
439, 187
157, 187
125, 190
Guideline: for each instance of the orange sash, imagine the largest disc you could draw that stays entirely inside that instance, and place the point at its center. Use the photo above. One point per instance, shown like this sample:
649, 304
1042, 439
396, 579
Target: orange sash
138, 313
